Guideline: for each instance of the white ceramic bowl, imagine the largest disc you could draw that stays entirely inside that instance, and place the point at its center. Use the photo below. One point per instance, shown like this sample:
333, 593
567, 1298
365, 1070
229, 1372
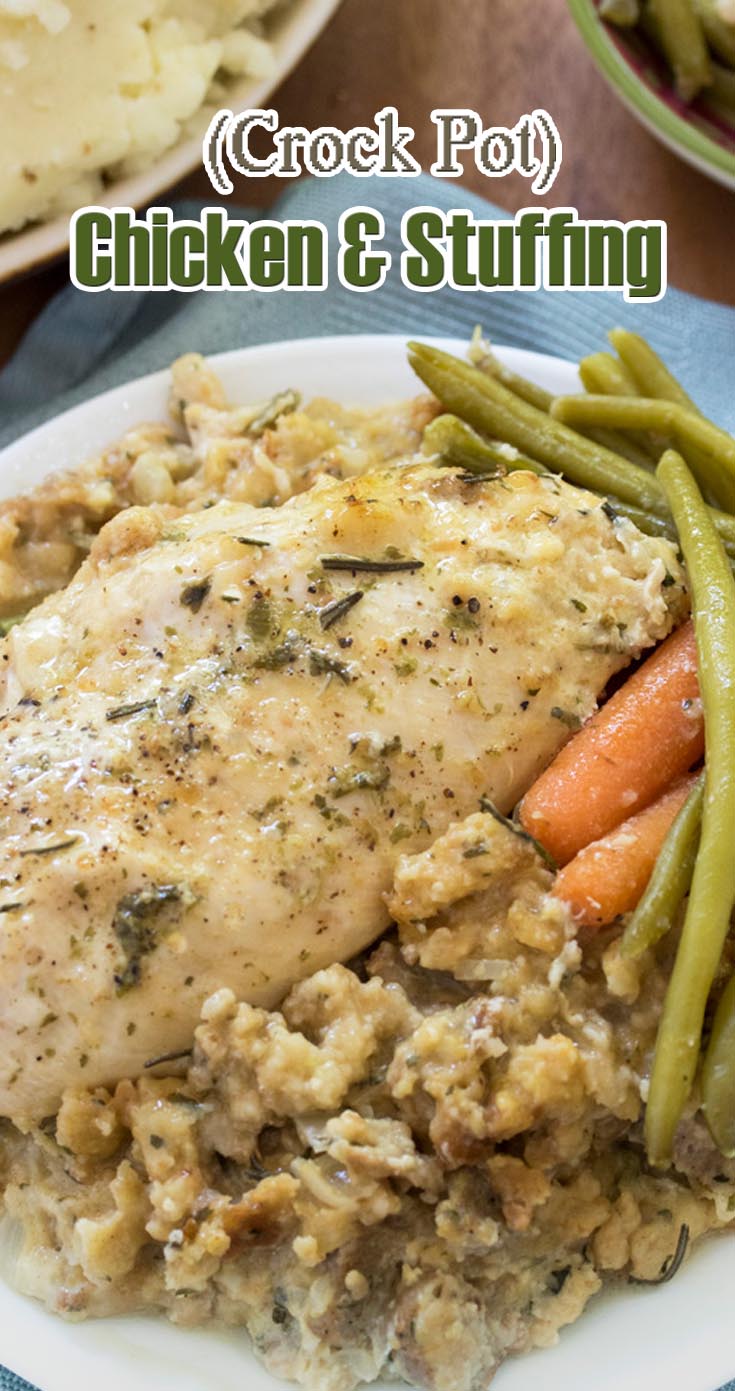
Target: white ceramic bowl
676, 1336
292, 34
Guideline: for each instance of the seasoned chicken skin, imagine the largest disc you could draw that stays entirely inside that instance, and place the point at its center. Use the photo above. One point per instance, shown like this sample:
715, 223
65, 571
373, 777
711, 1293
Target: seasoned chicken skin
218, 740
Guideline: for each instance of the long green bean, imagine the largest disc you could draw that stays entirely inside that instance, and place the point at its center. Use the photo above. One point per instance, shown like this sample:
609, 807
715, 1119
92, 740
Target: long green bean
493, 410
533, 395
632, 411
718, 1074
682, 39
653, 378
712, 895
486, 361
604, 375
482, 357
712, 448
458, 445
645, 521
624, 445
669, 883
644, 366
490, 407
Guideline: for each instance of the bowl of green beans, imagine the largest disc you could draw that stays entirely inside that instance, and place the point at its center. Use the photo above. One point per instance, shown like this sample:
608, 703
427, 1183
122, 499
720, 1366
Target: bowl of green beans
672, 62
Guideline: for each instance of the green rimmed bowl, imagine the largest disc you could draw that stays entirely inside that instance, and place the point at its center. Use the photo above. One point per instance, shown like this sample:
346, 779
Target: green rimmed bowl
702, 137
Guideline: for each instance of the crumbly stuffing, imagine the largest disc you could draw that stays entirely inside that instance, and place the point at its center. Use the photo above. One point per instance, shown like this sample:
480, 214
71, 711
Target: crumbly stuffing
210, 451
424, 1162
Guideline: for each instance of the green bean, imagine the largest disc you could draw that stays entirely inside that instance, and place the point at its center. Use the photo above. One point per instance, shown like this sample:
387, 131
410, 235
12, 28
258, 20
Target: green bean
536, 396
653, 378
624, 412
718, 1074
488, 406
669, 883
645, 521
719, 34
624, 13
623, 445
460, 446
711, 448
707, 919
492, 409
644, 366
670, 417
605, 375
528, 391
682, 39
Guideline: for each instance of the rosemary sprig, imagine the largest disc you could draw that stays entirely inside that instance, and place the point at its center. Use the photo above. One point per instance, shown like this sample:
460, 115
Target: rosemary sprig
121, 712
47, 850
489, 807
670, 1265
168, 1057
368, 565
338, 608
251, 541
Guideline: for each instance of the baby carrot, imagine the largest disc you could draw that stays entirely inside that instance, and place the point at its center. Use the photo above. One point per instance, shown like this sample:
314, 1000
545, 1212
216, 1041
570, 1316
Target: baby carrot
648, 734
609, 876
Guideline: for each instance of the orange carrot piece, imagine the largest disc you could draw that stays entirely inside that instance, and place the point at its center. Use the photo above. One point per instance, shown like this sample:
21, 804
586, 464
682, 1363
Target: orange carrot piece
609, 876
649, 733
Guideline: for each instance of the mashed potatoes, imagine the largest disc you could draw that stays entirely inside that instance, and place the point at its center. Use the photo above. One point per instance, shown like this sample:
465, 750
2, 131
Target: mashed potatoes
90, 88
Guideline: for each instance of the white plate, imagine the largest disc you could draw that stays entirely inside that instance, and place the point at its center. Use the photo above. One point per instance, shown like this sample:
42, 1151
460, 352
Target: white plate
677, 1336
292, 34
356, 370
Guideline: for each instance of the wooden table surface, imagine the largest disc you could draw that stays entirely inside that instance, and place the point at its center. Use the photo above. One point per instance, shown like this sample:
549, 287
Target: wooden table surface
503, 58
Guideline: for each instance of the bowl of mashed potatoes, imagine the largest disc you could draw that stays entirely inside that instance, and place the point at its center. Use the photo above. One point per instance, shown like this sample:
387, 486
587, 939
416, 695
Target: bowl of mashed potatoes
108, 103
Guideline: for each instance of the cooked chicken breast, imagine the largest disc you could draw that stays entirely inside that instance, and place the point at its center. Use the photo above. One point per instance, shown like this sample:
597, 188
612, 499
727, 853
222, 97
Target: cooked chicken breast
218, 740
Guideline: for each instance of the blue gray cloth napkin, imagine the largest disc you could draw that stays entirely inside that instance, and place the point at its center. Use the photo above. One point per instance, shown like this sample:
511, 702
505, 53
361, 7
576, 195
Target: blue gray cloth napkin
85, 343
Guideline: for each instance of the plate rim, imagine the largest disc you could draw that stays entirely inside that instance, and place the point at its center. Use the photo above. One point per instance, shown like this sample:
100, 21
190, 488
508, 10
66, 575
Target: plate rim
311, 345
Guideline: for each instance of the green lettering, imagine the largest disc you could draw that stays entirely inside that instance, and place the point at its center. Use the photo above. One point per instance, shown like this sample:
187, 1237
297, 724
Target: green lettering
421, 229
